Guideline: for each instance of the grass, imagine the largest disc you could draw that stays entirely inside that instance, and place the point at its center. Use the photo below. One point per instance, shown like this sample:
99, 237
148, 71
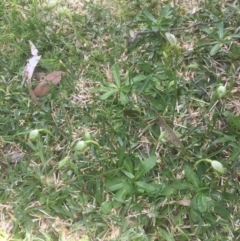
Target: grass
149, 114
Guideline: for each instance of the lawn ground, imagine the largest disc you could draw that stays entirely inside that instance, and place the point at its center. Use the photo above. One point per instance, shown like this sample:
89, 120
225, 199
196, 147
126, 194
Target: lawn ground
139, 140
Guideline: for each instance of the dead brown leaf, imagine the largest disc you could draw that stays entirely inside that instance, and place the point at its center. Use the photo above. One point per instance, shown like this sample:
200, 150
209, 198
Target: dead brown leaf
33, 96
45, 83
170, 135
184, 202
15, 157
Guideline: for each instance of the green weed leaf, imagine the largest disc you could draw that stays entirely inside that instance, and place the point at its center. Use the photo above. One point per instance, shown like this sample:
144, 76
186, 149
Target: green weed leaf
150, 16
128, 165
146, 187
108, 94
128, 174
191, 176
199, 202
123, 98
215, 49
116, 75
138, 78
146, 166
116, 184
220, 30
167, 191
145, 84
182, 185
106, 207
195, 216
121, 194
222, 211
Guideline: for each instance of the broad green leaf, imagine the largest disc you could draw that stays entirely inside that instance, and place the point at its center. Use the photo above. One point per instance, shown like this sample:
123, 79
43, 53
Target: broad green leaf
108, 94
200, 202
116, 184
124, 98
126, 89
120, 152
149, 16
98, 193
121, 194
215, 49
145, 67
225, 138
191, 176
145, 84
235, 36
115, 187
146, 187
116, 75
106, 207
195, 216
166, 11
220, 30
127, 164
228, 196
181, 185
206, 30
167, 191
222, 211
146, 166
138, 78
128, 174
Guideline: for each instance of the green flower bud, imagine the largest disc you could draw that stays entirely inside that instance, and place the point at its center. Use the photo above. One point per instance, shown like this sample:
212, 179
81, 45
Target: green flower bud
80, 146
64, 11
221, 91
165, 55
171, 39
51, 4
217, 166
33, 135
63, 162
87, 135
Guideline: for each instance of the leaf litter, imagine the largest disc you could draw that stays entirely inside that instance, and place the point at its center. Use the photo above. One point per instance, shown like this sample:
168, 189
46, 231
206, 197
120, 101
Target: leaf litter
15, 157
170, 135
46, 81
29, 69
